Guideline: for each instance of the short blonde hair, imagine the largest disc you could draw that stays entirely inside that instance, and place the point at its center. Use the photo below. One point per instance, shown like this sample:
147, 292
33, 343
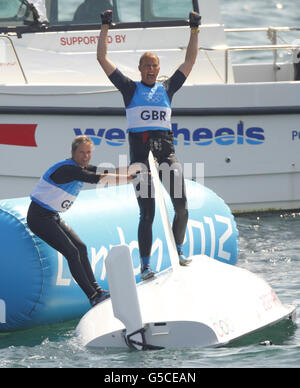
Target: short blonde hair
80, 140
147, 54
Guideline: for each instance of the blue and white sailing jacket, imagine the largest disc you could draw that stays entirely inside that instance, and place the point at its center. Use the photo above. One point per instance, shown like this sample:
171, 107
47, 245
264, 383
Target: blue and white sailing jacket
53, 196
149, 109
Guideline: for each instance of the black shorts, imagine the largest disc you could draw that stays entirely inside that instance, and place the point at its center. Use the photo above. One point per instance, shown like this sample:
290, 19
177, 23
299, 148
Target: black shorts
161, 143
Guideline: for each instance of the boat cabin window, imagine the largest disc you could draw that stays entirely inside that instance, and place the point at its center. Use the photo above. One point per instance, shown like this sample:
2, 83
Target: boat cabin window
8, 9
84, 12
153, 10
124, 11
13, 13
161, 9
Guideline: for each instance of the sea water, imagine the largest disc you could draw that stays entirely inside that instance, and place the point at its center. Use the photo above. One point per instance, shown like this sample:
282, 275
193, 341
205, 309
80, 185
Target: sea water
269, 247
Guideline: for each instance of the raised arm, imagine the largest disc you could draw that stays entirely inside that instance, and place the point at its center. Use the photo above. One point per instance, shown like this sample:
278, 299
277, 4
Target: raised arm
105, 63
192, 48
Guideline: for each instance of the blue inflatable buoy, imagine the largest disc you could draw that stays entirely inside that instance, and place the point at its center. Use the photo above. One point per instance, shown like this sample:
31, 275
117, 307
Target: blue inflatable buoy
36, 286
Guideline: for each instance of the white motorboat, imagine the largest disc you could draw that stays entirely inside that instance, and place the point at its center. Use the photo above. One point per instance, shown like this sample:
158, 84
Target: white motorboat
240, 121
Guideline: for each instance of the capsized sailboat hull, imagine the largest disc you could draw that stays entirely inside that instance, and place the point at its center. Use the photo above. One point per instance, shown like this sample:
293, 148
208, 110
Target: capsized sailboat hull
207, 303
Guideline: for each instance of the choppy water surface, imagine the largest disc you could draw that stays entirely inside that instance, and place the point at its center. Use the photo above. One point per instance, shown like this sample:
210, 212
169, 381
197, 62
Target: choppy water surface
269, 246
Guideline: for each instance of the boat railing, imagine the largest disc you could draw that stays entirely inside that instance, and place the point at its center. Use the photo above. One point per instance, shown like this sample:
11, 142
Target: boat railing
228, 49
272, 34
16, 56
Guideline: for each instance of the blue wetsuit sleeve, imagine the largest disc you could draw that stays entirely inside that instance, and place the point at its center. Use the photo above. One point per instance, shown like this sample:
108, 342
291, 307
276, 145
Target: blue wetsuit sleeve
69, 173
124, 84
174, 83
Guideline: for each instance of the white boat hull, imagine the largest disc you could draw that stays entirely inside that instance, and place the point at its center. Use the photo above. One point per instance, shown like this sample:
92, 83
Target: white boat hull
205, 304
260, 176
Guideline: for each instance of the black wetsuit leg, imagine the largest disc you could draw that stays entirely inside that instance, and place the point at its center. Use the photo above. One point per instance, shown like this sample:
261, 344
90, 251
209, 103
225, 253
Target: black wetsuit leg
144, 190
173, 181
55, 232
161, 143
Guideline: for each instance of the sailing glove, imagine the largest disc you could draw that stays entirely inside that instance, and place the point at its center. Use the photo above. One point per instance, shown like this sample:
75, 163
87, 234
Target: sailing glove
195, 20
106, 17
